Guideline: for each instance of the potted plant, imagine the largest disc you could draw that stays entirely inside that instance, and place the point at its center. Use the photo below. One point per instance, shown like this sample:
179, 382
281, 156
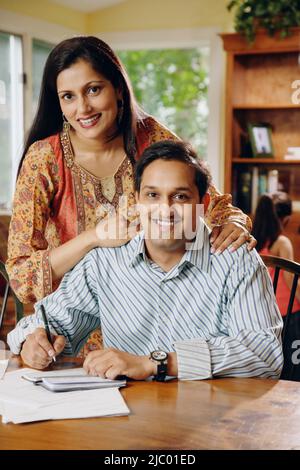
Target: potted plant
273, 16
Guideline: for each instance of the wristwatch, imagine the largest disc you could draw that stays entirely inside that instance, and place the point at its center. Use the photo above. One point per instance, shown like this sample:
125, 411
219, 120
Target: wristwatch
161, 359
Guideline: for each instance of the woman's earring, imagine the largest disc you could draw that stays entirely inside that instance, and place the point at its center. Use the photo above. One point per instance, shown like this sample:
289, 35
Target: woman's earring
66, 124
120, 111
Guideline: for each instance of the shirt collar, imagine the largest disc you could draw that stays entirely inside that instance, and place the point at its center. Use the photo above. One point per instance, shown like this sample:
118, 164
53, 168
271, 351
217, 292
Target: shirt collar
197, 253
138, 249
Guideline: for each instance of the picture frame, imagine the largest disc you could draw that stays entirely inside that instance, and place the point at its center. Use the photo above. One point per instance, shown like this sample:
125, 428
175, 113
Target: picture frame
260, 135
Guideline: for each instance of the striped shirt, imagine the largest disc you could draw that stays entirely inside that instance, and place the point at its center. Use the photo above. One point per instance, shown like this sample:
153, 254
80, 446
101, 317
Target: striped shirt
217, 312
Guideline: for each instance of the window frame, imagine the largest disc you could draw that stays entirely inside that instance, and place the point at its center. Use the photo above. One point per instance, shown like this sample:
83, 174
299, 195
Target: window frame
16, 134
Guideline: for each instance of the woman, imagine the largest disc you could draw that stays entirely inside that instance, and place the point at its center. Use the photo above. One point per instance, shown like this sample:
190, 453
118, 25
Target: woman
87, 133
272, 215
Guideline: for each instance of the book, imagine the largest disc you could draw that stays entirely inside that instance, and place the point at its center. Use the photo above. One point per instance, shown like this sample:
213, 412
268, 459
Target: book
272, 181
292, 153
61, 384
295, 157
71, 380
254, 188
262, 182
293, 150
244, 190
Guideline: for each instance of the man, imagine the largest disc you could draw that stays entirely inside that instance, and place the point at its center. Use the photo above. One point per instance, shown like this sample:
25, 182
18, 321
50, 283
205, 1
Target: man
163, 296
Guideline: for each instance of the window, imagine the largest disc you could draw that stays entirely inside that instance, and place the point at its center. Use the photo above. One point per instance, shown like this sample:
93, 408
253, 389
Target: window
11, 113
12, 106
172, 85
40, 52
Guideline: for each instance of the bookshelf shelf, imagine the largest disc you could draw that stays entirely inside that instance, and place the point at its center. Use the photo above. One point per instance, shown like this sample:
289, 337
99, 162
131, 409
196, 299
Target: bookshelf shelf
269, 161
259, 89
266, 106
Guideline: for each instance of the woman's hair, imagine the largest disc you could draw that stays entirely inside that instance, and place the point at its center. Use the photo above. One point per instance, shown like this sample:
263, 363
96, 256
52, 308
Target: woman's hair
270, 212
100, 56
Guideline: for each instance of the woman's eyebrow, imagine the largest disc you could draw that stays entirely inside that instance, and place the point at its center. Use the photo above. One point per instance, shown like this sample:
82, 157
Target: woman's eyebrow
84, 86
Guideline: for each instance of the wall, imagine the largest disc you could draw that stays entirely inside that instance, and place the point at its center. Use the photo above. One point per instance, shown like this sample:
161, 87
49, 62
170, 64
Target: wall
131, 15
47, 11
158, 14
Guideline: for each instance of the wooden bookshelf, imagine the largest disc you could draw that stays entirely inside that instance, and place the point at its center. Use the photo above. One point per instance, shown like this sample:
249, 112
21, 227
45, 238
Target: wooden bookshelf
259, 90
266, 106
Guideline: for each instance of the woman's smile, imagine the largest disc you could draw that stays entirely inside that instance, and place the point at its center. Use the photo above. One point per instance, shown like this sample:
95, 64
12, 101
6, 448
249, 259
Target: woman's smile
91, 121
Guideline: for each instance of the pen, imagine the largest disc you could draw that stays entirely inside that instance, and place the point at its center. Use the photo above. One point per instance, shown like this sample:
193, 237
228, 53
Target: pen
45, 320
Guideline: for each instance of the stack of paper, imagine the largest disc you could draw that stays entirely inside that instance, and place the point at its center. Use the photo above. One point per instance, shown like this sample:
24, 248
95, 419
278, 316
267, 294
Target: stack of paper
21, 401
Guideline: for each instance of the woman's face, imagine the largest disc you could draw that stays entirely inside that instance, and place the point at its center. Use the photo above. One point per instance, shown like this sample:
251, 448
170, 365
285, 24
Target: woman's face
88, 100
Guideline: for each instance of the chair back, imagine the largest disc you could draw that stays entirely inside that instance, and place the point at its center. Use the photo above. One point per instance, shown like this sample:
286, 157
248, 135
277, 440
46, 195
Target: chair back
19, 310
291, 329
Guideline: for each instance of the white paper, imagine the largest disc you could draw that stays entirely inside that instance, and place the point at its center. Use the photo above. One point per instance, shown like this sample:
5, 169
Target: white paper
3, 367
87, 404
36, 375
22, 401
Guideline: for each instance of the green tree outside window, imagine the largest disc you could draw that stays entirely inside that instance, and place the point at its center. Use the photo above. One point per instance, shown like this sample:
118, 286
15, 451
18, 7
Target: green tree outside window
172, 85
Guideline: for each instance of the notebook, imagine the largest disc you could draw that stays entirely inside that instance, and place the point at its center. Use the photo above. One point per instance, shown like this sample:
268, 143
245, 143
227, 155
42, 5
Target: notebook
70, 380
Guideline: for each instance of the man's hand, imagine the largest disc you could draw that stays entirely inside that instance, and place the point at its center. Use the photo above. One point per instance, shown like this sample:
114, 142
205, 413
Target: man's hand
109, 363
231, 234
37, 352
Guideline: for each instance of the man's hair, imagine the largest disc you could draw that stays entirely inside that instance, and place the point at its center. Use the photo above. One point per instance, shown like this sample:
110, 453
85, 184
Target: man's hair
169, 150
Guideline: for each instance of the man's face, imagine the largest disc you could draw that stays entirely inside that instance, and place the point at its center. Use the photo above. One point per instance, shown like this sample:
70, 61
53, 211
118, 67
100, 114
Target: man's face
169, 204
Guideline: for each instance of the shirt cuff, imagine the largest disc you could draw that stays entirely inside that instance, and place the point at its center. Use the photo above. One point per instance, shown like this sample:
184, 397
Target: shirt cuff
193, 359
25, 327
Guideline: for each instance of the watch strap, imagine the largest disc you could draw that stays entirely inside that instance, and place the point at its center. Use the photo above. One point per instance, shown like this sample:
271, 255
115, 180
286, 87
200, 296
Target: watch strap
161, 372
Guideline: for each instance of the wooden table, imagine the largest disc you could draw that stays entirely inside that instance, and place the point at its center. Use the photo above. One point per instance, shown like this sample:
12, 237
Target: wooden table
211, 414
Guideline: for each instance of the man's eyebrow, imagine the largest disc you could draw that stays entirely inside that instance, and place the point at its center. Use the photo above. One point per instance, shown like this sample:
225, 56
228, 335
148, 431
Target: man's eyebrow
180, 188
183, 188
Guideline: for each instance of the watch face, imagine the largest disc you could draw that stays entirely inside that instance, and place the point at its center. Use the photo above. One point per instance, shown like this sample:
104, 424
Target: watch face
159, 355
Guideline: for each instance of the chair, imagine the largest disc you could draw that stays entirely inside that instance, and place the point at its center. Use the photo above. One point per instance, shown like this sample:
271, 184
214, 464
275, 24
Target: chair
8, 290
291, 329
